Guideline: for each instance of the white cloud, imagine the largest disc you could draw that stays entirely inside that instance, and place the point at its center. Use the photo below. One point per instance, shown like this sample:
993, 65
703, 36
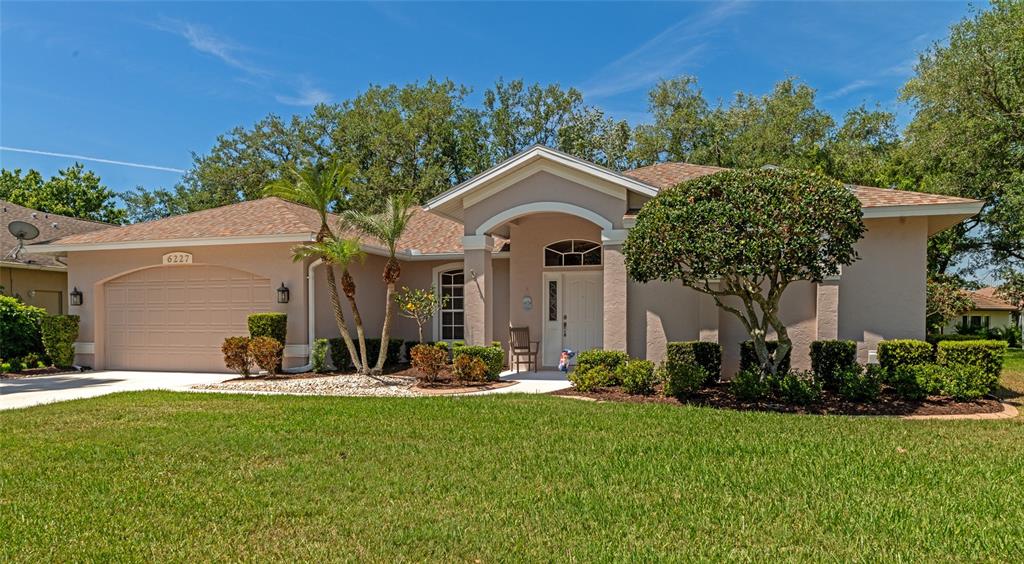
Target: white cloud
307, 96
848, 89
663, 56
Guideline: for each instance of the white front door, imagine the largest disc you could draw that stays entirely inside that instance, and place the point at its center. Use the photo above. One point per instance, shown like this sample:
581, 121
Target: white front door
573, 313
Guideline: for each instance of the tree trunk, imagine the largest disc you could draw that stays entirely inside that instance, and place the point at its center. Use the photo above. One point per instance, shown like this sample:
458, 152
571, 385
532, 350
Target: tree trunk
339, 316
349, 286
392, 270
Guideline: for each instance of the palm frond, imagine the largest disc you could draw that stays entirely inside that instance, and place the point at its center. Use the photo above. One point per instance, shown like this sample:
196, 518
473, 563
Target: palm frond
335, 250
387, 226
313, 185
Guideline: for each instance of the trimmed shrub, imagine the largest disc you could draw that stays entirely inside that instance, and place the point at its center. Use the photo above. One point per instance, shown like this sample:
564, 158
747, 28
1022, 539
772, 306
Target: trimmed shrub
468, 368
493, 357
798, 388
748, 356
599, 357
59, 333
637, 377
896, 353
935, 339
704, 354
236, 355
394, 354
407, 350
959, 381
857, 384
19, 328
271, 324
318, 357
429, 361
984, 355
682, 379
829, 358
903, 380
339, 354
591, 378
748, 385
266, 353
5, 367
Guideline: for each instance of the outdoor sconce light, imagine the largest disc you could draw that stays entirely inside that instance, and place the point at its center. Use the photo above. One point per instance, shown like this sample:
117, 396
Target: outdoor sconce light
76, 297
283, 294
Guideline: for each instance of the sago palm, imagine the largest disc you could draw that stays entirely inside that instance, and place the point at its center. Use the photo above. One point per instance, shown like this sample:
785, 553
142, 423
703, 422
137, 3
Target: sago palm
341, 253
387, 227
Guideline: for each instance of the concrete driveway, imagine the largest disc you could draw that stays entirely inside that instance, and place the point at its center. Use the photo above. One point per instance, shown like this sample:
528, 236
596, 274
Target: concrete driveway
25, 392
540, 382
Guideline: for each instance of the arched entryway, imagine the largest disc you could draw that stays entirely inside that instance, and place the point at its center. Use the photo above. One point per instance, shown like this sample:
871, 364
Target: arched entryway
175, 318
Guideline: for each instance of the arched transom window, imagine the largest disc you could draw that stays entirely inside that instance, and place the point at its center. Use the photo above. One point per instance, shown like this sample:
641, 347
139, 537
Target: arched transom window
572, 252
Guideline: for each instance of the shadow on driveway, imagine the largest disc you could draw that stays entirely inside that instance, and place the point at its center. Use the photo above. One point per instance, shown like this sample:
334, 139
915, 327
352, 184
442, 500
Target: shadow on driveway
51, 383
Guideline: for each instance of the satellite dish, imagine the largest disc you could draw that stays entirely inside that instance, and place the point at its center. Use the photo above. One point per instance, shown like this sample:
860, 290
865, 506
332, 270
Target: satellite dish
23, 230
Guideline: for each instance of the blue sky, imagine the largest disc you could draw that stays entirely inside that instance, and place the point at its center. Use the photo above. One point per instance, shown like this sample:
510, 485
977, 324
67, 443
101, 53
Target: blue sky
149, 83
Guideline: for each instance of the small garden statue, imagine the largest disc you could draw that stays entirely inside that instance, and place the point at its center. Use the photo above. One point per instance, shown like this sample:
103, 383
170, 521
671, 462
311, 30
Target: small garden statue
563, 360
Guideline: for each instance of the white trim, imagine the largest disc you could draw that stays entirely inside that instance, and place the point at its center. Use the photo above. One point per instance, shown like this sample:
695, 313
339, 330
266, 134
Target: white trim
614, 236
543, 207
310, 319
296, 350
435, 276
534, 153
478, 242
970, 208
85, 348
30, 266
158, 244
629, 222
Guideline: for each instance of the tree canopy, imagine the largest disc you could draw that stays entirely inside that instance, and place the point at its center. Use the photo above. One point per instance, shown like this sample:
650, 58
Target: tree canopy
73, 191
743, 236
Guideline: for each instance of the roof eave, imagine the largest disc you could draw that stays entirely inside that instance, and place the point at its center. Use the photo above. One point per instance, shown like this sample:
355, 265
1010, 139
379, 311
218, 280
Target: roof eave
57, 247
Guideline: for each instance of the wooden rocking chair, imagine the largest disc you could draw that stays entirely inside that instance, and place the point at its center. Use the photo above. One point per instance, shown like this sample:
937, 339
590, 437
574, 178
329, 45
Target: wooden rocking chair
520, 346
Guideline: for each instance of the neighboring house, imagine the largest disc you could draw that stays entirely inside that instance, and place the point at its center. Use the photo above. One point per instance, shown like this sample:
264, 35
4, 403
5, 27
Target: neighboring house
990, 310
37, 279
535, 241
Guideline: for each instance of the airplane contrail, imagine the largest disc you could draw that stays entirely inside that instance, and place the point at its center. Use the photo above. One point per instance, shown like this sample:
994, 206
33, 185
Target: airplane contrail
93, 159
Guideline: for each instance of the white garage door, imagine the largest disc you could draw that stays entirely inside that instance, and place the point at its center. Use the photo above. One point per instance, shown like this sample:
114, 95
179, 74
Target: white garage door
176, 317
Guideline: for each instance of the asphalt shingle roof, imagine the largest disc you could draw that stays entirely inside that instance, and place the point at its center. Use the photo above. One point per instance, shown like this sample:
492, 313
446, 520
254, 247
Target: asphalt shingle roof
51, 226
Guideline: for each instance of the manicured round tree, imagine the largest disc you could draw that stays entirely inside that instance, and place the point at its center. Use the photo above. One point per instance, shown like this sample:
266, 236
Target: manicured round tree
743, 236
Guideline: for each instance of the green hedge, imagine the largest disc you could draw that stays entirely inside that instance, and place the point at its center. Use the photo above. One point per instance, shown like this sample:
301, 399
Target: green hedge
984, 355
749, 361
342, 360
704, 354
637, 377
682, 379
896, 353
599, 357
959, 381
935, 339
59, 333
19, 328
269, 325
829, 358
493, 357
318, 356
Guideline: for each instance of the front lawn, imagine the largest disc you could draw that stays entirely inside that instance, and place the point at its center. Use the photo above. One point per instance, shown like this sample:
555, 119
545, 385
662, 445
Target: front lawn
158, 475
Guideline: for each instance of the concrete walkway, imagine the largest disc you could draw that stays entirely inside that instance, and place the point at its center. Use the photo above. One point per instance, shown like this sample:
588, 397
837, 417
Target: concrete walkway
529, 383
25, 392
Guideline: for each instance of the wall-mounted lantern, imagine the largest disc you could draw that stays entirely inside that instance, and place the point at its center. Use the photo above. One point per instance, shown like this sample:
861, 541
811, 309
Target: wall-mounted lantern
283, 295
76, 297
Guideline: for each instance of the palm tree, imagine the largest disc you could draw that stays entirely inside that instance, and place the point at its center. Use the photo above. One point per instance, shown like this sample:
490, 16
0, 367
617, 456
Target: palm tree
339, 252
319, 186
387, 227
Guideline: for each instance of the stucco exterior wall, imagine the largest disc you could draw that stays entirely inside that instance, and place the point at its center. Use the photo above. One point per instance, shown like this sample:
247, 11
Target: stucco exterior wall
996, 319
882, 295
88, 270
526, 263
546, 187
47, 289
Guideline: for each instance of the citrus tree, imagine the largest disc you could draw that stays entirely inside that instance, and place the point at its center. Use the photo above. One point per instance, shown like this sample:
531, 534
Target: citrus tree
743, 236
419, 304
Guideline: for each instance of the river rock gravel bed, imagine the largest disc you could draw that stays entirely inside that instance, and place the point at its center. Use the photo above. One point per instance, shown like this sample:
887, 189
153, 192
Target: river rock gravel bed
330, 385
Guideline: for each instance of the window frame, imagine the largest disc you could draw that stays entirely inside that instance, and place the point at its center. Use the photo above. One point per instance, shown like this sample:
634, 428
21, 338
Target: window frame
597, 249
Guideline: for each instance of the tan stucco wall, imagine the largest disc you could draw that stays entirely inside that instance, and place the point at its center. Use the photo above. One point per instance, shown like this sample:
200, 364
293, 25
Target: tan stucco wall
997, 319
526, 263
50, 287
882, 295
88, 270
546, 187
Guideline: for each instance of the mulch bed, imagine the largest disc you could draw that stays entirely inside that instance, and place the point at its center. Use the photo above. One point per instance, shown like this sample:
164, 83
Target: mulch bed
48, 371
719, 396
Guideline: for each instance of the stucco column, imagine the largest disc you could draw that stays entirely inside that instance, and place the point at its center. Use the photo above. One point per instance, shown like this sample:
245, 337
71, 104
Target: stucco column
478, 292
828, 309
615, 298
708, 315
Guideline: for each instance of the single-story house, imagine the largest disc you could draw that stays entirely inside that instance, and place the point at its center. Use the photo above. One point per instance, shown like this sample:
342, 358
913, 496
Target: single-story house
990, 310
35, 278
535, 241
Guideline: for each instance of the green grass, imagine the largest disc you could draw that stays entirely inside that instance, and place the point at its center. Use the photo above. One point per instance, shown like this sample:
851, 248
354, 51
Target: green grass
164, 476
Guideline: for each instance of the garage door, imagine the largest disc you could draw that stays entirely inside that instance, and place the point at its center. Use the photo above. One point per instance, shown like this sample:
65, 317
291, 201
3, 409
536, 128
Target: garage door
176, 317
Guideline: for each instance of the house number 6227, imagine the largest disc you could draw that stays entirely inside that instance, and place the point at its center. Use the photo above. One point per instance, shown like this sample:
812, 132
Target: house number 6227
178, 258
